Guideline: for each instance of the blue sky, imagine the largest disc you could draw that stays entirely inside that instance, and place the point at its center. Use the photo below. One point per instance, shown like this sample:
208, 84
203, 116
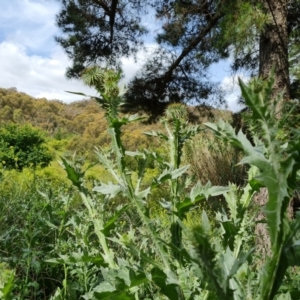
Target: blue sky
34, 63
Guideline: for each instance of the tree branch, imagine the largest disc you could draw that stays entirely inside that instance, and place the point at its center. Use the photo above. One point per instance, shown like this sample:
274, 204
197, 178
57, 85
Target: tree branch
193, 44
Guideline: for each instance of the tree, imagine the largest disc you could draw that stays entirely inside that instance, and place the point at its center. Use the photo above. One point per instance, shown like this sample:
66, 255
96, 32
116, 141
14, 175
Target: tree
194, 34
22, 147
274, 45
171, 76
177, 70
273, 48
99, 31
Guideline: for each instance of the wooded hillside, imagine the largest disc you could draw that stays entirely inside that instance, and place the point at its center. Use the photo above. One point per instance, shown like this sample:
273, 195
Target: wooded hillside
82, 124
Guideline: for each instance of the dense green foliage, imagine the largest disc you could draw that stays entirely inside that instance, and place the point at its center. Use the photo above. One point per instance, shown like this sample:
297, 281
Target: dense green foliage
146, 229
80, 126
22, 147
26, 238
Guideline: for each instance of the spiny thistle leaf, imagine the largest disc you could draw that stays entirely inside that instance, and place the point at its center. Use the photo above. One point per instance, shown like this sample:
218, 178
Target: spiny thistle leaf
76, 258
110, 189
199, 191
73, 175
110, 224
118, 283
141, 195
160, 279
178, 172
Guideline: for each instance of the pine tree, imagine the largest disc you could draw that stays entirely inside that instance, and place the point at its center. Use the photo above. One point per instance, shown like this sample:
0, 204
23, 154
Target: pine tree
99, 31
194, 34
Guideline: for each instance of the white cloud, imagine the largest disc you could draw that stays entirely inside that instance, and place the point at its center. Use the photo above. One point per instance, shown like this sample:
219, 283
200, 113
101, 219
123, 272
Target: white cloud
230, 85
36, 75
30, 23
31, 61
131, 66
45, 76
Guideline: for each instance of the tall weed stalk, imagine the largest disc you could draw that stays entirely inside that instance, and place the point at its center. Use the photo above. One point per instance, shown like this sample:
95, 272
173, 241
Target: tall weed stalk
218, 255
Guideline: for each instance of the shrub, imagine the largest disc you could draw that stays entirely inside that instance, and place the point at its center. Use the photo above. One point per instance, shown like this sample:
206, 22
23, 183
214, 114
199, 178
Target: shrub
22, 147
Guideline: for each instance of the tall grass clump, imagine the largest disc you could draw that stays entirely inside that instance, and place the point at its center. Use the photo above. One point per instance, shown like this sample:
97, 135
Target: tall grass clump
215, 160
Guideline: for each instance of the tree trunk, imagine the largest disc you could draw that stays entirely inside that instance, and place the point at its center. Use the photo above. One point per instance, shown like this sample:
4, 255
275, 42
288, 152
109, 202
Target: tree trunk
273, 53
273, 48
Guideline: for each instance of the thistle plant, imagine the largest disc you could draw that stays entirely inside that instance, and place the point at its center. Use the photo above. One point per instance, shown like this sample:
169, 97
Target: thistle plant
279, 165
218, 259
106, 83
178, 132
163, 271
